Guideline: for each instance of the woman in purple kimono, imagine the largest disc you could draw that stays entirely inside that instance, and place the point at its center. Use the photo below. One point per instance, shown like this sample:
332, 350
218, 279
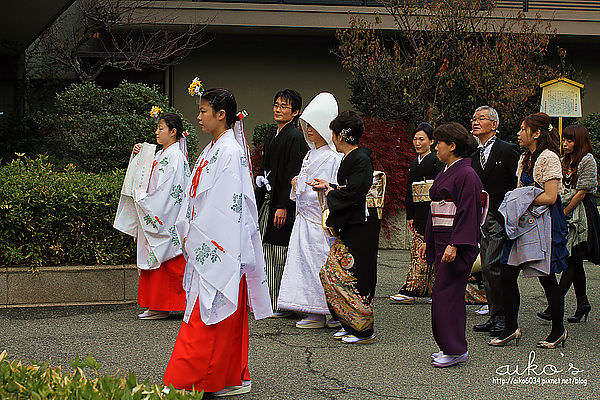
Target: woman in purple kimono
451, 238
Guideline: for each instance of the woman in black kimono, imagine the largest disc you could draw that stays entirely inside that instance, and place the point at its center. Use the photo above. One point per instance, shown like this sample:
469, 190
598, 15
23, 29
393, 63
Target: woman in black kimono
422, 171
350, 274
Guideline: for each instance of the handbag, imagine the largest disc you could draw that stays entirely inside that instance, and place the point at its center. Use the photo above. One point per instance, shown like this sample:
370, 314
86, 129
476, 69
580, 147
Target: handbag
331, 232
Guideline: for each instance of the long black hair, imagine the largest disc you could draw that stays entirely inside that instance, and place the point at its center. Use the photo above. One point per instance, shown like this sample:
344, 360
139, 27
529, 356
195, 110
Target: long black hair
173, 121
222, 99
548, 138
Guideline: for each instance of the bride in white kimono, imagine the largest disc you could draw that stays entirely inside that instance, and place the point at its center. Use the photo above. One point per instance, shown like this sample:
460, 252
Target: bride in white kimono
149, 211
301, 288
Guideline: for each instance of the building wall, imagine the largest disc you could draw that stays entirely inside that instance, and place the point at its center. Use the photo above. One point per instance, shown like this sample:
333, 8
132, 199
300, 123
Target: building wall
584, 53
255, 67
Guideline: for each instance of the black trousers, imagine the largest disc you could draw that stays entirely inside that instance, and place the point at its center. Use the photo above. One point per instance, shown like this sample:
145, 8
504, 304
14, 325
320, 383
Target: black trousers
575, 275
512, 301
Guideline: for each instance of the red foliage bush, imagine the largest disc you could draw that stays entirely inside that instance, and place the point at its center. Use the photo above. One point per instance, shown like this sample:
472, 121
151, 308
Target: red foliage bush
392, 149
255, 157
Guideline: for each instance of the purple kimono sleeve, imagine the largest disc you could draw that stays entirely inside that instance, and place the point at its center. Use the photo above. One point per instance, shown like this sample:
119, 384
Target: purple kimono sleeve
467, 221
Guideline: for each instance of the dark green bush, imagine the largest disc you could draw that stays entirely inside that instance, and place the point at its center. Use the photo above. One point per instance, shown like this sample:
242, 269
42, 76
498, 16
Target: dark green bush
50, 217
96, 128
41, 381
261, 131
18, 134
592, 123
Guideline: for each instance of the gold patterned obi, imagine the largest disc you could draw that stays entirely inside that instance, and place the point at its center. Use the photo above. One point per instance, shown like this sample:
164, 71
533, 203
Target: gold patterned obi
420, 191
376, 195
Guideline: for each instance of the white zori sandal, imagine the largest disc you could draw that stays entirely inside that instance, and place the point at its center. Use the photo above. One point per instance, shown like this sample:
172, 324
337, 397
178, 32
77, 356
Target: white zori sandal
340, 334
351, 339
245, 387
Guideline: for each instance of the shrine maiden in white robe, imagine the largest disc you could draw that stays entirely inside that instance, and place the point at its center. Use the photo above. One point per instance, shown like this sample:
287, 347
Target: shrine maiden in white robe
301, 288
219, 228
158, 207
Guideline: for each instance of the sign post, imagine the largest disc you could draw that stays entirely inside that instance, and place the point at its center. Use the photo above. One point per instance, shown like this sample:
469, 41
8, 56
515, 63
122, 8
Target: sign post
561, 98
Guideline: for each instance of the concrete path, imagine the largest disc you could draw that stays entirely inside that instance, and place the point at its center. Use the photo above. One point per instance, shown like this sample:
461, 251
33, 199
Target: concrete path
288, 363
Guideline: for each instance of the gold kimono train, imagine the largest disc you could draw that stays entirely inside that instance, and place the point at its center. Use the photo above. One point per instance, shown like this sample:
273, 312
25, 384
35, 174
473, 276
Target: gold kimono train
420, 276
341, 290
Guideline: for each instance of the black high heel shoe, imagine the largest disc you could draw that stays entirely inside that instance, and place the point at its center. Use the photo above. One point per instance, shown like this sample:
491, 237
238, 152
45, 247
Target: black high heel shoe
545, 315
581, 312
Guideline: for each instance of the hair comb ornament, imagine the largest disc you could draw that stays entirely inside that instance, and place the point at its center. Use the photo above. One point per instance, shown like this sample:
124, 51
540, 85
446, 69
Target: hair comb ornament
550, 127
344, 133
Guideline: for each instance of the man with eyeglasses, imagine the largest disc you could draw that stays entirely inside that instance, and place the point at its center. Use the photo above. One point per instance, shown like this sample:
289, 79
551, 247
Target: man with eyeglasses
283, 152
495, 161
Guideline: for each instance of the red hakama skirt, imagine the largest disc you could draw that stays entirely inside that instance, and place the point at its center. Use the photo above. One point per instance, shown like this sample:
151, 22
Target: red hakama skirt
210, 357
161, 289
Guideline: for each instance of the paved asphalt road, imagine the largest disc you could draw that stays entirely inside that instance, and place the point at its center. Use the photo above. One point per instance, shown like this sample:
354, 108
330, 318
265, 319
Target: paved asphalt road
288, 363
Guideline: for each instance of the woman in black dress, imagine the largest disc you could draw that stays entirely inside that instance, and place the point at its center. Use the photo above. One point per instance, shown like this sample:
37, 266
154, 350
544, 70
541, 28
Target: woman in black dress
350, 274
421, 172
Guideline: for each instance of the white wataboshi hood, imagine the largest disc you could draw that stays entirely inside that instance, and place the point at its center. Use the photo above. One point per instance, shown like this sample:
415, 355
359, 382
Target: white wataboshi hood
319, 113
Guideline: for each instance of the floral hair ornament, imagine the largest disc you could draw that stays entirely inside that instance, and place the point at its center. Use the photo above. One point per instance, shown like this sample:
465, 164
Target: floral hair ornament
550, 127
240, 136
345, 134
196, 89
155, 112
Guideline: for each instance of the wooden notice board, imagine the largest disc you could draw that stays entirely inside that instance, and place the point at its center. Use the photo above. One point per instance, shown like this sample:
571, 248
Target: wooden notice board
561, 98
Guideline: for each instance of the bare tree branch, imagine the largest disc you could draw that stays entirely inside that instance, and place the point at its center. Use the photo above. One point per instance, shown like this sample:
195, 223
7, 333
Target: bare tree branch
111, 33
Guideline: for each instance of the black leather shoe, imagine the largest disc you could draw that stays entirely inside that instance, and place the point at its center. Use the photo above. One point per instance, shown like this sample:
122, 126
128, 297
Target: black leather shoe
497, 329
545, 315
484, 327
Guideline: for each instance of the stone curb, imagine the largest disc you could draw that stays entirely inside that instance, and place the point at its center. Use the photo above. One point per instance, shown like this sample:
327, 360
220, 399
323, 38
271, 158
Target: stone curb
68, 285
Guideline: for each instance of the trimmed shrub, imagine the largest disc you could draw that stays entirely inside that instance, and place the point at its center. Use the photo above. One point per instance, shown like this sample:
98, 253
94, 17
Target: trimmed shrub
261, 132
41, 381
50, 217
592, 123
96, 128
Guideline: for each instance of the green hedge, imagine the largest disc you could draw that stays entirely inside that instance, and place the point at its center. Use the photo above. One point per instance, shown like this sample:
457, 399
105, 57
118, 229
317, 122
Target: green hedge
96, 128
50, 217
41, 381
592, 123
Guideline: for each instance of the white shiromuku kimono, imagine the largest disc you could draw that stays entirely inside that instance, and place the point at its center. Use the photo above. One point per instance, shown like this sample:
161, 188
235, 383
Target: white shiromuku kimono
218, 225
301, 288
157, 207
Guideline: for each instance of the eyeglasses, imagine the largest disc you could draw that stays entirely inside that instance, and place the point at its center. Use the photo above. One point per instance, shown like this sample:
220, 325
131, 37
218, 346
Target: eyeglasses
480, 119
281, 107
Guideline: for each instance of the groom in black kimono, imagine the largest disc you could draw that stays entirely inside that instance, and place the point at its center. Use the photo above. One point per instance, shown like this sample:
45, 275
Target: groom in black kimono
495, 161
283, 152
